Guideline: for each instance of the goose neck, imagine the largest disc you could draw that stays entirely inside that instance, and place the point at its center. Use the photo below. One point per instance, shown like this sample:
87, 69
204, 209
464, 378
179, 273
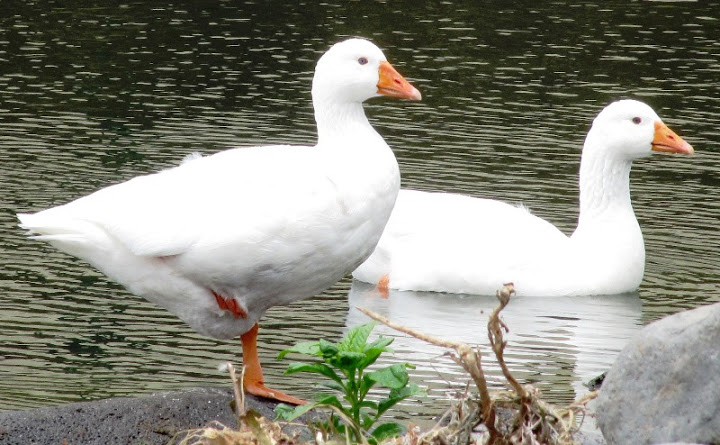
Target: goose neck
338, 120
604, 185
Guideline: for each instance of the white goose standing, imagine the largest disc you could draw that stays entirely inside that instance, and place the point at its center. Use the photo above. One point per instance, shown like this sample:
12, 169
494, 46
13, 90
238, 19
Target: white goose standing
446, 242
220, 239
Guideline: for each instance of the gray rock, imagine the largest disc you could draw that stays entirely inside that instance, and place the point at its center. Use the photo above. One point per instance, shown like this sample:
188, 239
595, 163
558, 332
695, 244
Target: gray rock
588, 438
665, 385
153, 419
146, 420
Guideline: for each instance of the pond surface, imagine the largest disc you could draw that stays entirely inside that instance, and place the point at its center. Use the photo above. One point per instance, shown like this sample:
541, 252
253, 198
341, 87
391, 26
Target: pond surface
96, 95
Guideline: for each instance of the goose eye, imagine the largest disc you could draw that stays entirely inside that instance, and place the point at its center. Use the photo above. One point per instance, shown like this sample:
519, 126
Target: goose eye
636, 120
362, 60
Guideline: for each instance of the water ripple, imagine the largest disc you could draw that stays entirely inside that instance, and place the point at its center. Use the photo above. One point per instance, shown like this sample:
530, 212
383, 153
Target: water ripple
97, 95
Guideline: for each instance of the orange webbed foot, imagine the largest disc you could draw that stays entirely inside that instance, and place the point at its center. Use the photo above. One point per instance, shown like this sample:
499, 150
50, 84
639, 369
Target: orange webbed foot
253, 382
259, 389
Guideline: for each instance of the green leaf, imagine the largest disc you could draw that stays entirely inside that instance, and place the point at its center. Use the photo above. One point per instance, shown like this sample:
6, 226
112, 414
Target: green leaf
327, 349
393, 377
334, 386
371, 355
283, 411
366, 384
356, 338
347, 361
387, 431
381, 342
318, 368
368, 404
366, 421
408, 391
344, 366
289, 413
331, 401
305, 347
339, 427
397, 395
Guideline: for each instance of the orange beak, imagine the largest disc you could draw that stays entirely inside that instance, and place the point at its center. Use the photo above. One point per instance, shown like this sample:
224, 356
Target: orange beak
666, 140
393, 84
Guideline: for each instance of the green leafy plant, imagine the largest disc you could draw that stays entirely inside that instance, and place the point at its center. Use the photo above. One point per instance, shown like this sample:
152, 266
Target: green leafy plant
345, 364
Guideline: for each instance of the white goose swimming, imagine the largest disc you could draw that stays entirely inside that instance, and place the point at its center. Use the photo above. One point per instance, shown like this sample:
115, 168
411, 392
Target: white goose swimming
220, 239
446, 242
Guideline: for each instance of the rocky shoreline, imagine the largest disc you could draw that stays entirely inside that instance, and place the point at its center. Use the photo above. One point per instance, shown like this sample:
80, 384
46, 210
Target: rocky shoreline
152, 419
146, 420
663, 388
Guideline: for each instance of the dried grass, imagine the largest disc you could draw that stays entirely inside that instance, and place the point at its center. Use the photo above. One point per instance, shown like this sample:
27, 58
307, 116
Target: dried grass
515, 417
527, 420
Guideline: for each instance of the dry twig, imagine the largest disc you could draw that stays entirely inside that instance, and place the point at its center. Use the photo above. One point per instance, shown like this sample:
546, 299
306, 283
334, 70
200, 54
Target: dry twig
533, 422
465, 356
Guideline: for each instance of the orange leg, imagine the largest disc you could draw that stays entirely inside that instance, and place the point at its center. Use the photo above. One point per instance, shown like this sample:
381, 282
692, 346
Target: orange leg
253, 382
383, 286
229, 304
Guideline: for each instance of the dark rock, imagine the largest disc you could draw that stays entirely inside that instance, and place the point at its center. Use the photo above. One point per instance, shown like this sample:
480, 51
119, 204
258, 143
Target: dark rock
596, 383
665, 385
153, 419
147, 420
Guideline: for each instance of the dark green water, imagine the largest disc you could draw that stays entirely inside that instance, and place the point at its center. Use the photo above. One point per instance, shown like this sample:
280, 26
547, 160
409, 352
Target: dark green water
97, 94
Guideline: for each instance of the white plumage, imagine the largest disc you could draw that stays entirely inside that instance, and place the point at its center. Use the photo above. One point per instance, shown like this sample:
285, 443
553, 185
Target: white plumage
453, 243
253, 226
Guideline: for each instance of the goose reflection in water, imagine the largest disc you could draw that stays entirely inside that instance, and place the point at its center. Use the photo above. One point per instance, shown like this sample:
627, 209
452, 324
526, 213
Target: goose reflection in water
556, 343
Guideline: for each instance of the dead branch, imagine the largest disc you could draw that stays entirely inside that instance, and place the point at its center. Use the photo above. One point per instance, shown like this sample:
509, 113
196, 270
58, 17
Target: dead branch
467, 357
497, 341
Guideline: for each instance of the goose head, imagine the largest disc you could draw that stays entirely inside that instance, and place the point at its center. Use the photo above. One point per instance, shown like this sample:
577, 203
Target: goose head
629, 129
355, 70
